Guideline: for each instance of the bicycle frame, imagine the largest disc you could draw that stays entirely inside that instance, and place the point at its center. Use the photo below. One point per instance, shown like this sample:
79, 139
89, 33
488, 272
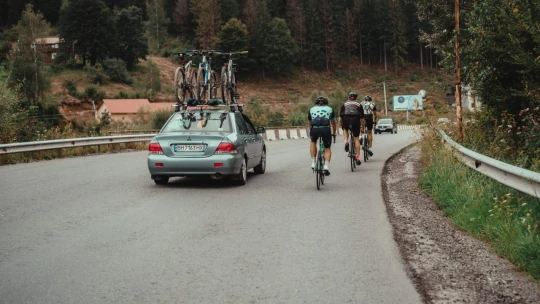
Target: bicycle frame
187, 65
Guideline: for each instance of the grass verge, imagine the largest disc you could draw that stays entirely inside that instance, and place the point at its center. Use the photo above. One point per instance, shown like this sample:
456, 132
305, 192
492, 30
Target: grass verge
488, 210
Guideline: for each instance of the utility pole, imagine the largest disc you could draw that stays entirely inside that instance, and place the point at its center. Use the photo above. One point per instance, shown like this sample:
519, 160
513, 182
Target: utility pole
458, 80
385, 104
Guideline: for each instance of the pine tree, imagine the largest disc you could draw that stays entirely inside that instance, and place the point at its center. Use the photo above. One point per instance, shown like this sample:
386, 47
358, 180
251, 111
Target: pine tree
297, 24
398, 39
181, 17
229, 9
328, 33
315, 55
208, 18
349, 33
233, 36
27, 65
132, 44
157, 24
88, 26
278, 47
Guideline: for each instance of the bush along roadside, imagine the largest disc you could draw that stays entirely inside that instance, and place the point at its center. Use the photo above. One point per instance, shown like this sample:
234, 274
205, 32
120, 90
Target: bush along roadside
488, 210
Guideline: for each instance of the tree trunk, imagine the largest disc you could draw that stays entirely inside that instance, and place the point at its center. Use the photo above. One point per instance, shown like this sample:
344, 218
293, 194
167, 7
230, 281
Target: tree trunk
385, 55
421, 57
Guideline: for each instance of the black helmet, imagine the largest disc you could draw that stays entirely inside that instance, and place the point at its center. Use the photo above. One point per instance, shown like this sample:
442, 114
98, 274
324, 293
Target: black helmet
353, 96
321, 100
367, 98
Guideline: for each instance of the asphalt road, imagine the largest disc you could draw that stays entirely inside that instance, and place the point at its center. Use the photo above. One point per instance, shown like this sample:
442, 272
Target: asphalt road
98, 230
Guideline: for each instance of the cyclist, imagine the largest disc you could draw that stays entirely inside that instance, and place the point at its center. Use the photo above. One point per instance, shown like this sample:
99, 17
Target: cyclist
351, 113
320, 117
370, 115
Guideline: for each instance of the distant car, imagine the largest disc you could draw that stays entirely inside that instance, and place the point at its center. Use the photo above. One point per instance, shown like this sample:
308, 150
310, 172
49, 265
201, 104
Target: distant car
209, 141
386, 125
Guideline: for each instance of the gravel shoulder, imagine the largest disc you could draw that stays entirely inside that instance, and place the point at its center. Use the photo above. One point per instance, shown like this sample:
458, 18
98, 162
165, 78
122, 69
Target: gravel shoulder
446, 264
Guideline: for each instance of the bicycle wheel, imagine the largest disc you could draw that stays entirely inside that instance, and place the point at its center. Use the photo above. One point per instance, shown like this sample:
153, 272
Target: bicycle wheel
191, 81
318, 170
212, 86
232, 89
224, 86
201, 88
179, 85
321, 174
366, 156
352, 153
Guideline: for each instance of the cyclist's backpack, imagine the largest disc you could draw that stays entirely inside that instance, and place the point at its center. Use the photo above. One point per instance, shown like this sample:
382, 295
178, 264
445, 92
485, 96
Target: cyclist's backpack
368, 107
352, 108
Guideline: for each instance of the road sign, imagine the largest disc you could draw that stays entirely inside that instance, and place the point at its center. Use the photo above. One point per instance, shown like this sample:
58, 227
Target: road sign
407, 102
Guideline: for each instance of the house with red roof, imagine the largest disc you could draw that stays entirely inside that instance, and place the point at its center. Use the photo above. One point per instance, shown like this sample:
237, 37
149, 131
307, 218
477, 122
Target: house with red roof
129, 110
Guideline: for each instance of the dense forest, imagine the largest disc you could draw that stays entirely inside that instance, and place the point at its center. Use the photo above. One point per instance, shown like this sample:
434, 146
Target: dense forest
499, 39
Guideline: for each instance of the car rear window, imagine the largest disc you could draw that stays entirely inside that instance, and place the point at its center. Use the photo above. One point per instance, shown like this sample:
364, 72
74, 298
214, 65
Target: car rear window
208, 122
385, 121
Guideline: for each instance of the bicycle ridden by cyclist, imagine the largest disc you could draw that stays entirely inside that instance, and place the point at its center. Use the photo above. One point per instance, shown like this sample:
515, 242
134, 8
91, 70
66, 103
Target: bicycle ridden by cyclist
320, 118
351, 114
370, 115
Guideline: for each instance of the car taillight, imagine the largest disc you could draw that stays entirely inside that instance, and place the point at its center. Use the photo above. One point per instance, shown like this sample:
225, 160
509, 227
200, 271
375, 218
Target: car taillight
155, 148
226, 147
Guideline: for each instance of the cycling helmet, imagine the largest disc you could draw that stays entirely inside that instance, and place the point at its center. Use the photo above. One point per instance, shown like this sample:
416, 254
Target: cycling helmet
353, 96
321, 100
367, 98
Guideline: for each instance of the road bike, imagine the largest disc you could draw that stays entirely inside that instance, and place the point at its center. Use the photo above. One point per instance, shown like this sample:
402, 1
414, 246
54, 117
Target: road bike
319, 164
185, 79
352, 149
206, 78
229, 92
364, 143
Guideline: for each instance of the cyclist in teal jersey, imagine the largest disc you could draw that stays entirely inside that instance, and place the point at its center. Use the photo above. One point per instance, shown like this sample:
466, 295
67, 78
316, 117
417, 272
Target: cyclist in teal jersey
320, 118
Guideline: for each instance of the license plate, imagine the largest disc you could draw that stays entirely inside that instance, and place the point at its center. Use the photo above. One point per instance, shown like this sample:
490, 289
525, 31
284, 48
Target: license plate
189, 148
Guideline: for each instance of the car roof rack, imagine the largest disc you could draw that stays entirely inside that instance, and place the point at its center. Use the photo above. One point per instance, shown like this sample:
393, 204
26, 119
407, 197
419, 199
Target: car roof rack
213, 104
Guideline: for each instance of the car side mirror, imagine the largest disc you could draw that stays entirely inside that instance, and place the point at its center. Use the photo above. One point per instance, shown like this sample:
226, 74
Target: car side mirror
261, 130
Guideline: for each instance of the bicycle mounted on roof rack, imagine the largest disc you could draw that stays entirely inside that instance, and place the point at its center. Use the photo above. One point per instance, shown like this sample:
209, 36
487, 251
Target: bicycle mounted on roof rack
204, 82
228, 79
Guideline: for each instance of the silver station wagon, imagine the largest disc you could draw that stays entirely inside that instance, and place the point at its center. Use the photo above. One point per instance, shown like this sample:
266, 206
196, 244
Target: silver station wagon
217, 141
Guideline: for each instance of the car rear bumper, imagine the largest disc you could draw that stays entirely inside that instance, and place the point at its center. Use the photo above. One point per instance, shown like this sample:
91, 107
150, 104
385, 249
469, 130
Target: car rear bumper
227, 164
384, 129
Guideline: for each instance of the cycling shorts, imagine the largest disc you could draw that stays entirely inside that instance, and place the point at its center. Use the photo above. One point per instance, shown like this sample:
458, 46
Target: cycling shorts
324, 133
354, 122
369, 122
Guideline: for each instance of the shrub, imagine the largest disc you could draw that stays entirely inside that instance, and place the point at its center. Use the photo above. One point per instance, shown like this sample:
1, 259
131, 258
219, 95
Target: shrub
276, 119
159, 118
96, 74
297, 119
422, 120
93, 93
122, 95
70, 86
116, 70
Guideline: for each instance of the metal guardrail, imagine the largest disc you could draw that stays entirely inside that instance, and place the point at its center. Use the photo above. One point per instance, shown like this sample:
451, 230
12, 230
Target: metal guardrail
282, 133
71, 143
518, 178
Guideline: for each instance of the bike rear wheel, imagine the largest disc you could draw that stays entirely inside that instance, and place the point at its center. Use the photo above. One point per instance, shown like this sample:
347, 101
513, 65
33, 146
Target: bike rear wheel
318, 171
212, 86
366, 156
191, 83
179, 85
352, 152
224, 86
201, 88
